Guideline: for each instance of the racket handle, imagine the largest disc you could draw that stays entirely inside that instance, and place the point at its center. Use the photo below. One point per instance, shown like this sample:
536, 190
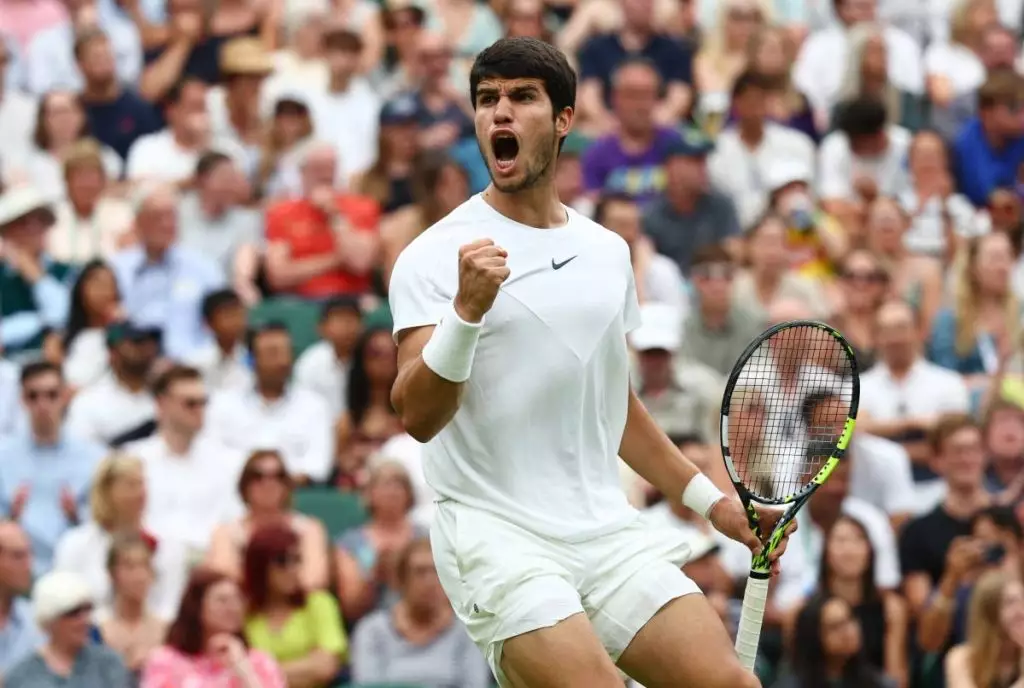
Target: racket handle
749, 632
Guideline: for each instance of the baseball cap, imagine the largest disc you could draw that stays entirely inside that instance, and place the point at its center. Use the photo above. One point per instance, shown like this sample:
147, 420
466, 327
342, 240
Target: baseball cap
399, 110
57, 593
784, 172
690, 144
127, 331
660, 328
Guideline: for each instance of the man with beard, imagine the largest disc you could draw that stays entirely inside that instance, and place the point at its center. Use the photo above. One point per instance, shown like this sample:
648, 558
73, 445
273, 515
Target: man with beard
511, 317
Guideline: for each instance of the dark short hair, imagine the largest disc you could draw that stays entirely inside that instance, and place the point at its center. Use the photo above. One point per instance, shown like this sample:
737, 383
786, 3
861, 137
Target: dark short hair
710, 254
266, 328
176, 373
1002, 517
608, 199
340, 304
1002, 87
343, 39
522, 57
863, 116
208, 161
30, 371
177, 90
637, 61
750, 80
216, 300
405, 556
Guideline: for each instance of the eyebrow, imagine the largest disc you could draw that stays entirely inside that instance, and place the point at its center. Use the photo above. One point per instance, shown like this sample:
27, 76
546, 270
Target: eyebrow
514, 91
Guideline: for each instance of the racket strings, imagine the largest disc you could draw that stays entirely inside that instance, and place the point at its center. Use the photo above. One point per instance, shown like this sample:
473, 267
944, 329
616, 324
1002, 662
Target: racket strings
788, 409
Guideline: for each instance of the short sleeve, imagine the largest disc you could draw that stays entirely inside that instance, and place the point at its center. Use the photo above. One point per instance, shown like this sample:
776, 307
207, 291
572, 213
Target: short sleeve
834, 168
912, 558
276, 224
678, 68
415, 295
330, 636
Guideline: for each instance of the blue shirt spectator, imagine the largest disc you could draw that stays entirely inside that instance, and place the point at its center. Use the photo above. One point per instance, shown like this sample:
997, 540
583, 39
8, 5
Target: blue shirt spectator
19, 635
51, 57
164, 284
44, 472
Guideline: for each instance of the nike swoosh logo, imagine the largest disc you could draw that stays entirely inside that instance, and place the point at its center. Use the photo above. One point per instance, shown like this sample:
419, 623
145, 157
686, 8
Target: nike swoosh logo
559, 266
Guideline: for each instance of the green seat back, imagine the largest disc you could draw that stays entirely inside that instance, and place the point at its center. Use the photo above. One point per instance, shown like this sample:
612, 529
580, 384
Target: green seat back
300, 317
339, 511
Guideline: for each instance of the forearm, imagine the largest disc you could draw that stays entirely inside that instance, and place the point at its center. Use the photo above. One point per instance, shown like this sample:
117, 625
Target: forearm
359, 250
936, 619
649, 452
425, 401
158, 77
315, 669
289, 272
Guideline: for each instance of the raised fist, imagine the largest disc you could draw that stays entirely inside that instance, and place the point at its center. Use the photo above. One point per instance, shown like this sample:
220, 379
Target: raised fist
482, 270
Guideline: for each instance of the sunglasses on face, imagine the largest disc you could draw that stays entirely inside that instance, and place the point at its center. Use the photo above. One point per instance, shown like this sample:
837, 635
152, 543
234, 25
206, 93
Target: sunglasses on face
288, 560
276, 474
42, 394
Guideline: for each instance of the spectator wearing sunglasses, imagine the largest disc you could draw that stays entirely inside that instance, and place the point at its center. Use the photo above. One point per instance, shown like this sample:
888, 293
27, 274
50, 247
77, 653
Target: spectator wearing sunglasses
44, 470
266, 489
303, 632
63, 606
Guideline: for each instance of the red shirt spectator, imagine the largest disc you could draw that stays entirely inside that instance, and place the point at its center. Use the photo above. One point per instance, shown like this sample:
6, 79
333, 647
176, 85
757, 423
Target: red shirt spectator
325, 243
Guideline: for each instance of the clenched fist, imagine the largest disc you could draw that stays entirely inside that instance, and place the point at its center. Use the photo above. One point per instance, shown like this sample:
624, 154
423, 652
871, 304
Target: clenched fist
482, 270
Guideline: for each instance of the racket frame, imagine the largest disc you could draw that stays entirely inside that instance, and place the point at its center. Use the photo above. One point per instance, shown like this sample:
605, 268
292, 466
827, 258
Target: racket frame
755, 595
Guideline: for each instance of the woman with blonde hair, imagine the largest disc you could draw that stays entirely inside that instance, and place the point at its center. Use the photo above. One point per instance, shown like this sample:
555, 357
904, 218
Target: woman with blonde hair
991, 656
983, 325
117, 504
723, 56
867, 74
954, 71
91, 223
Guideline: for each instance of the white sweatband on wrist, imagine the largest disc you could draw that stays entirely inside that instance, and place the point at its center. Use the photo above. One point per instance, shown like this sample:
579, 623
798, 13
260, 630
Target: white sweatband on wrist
701, 495
451, 347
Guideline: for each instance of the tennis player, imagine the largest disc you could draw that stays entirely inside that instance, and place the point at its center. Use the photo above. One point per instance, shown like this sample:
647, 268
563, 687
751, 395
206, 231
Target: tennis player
511, 317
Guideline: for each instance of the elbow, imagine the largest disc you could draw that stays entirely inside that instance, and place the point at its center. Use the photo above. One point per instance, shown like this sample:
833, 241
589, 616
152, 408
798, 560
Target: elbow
422, 428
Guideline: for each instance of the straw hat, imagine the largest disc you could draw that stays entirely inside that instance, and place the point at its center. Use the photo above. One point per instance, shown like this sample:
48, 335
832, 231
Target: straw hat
246, 56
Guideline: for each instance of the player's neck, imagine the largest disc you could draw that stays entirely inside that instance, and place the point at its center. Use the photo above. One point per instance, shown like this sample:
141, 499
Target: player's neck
963, 502
537, 206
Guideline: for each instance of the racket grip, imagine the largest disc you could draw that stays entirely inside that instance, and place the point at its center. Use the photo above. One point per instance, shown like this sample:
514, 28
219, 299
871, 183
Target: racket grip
755, 597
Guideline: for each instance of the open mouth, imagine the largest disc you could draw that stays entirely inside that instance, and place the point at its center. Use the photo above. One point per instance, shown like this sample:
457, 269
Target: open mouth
506, 148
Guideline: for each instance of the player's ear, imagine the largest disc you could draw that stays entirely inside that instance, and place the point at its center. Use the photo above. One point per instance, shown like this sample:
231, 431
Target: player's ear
563, 122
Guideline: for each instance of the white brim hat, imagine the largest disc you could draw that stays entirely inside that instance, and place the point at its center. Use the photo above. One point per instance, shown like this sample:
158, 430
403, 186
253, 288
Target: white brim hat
19, 201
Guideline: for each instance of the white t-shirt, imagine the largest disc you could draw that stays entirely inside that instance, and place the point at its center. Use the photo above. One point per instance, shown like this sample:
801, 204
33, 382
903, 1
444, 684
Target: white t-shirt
957, 63
838, 167
158, 157
537, 435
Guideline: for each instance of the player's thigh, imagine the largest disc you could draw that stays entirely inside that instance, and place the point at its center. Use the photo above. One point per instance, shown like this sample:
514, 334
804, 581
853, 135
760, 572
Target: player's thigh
685, 645
566, 655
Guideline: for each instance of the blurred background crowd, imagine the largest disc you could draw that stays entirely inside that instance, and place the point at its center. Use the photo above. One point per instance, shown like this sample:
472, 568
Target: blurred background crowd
202, 480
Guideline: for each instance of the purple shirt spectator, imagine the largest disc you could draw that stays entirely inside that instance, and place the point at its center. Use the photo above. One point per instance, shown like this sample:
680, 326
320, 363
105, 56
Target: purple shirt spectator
607, 167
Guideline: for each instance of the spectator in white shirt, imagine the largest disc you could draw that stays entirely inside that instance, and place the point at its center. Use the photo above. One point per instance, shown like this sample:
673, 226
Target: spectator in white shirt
324, 367
816, 71
861, 158
120, 402
17, 109
348, 110
190, 475
224, 361
235, 108
954, 69
745, 151
903, 395
117, 503
171, 155
272, 414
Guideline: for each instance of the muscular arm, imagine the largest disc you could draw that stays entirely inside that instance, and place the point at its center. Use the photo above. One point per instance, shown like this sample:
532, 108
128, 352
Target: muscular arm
649, 452
424, 400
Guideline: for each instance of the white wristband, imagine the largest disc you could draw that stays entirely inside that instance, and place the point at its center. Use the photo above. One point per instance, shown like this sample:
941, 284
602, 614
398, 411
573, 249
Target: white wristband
451, 347
701, 495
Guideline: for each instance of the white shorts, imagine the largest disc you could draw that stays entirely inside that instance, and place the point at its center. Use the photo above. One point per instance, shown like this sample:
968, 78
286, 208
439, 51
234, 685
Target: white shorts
504, 581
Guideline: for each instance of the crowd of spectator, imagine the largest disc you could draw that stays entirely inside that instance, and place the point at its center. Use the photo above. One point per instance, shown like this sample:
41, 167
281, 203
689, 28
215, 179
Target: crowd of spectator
202, 480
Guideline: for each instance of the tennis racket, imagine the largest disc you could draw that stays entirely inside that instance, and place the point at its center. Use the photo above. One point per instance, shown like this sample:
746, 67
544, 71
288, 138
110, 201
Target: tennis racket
788, 413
